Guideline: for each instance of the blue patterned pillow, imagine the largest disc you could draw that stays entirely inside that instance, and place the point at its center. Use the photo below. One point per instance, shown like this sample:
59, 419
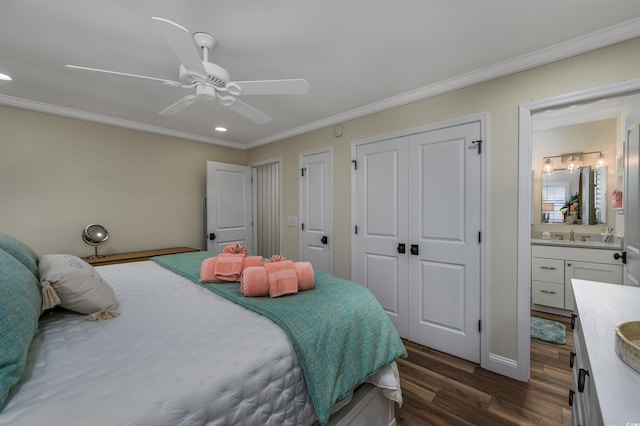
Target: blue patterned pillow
20, 251
20, 307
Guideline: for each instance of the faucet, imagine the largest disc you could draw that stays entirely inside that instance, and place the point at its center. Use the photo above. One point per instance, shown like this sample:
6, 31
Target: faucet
572, 236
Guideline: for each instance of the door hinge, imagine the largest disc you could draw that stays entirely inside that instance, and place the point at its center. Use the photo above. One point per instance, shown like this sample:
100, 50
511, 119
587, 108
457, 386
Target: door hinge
479, 326
479, 142
356, 230
302, 225
355, 164
479, 237
302, 171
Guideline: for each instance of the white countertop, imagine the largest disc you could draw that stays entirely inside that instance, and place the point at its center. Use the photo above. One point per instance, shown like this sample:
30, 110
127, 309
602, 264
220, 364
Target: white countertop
600, 307
579, 244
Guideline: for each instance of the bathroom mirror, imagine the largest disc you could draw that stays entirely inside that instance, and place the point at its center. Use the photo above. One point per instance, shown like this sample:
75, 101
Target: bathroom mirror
574, 198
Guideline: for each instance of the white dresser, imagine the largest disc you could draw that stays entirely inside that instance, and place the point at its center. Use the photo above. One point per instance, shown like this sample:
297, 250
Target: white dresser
605, 390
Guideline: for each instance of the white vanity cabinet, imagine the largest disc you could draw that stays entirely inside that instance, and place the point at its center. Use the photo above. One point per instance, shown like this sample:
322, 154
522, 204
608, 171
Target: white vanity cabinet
604, 390
553, 267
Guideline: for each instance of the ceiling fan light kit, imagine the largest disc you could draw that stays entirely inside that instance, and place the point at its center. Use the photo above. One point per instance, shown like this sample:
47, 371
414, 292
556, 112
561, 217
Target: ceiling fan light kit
210, 80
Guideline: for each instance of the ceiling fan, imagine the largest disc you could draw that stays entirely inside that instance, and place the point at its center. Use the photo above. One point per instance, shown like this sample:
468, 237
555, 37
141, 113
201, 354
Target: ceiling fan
210, 81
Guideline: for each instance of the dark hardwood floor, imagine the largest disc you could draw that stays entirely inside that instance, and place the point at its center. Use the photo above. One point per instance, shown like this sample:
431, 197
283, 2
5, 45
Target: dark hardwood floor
439, 389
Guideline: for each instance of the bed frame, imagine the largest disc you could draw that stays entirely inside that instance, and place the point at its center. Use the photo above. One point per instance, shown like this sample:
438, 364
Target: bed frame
368, 407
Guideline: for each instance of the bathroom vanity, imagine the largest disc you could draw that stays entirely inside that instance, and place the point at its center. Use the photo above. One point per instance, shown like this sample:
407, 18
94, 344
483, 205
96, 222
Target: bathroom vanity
555, 262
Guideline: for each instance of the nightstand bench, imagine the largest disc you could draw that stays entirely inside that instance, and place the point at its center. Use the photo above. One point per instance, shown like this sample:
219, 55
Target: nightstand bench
135, 256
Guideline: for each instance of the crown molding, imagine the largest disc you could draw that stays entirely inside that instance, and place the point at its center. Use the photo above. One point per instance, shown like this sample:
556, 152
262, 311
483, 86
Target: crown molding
596, 40
110, 121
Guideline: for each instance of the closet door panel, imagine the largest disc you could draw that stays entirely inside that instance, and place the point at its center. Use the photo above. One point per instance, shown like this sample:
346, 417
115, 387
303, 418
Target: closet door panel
381, 217
444, 222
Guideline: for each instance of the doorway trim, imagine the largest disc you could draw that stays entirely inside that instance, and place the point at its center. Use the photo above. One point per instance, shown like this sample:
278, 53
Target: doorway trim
525, 111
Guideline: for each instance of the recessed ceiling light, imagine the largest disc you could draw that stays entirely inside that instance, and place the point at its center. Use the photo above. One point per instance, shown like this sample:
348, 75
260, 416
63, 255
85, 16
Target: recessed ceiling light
221, 129
5, 77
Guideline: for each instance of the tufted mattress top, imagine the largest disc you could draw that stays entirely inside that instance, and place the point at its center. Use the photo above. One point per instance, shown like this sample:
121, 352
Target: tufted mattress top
177, 355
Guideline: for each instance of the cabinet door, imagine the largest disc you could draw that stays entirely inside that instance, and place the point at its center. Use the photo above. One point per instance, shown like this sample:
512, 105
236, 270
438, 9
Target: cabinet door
589, 271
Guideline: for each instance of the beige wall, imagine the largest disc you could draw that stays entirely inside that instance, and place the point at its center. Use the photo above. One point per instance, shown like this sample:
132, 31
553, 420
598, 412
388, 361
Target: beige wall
58, 175
500, 98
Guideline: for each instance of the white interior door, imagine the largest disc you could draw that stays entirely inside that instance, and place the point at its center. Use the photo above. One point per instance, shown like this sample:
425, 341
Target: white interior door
228, 206
444, 226
381, 206
630, 201
316, 209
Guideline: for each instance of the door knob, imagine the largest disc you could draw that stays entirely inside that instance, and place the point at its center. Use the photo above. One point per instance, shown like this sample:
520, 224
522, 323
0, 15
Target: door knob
415, 250
402, 249
324, 240
212, 236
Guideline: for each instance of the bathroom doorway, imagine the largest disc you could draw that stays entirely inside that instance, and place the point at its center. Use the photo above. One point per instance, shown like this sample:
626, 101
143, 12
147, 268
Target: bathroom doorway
527, 114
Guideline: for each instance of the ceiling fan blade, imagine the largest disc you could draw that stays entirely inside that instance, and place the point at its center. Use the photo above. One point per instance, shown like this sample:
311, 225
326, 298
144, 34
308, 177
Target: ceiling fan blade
169, 82
244, 109
179, 106
180, 40
294, 86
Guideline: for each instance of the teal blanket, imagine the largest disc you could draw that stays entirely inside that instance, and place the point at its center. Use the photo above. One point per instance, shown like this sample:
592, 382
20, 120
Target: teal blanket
339, 331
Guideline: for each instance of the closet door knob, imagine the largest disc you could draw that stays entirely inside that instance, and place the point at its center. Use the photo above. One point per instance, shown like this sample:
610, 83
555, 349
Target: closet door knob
415, 250
401, 248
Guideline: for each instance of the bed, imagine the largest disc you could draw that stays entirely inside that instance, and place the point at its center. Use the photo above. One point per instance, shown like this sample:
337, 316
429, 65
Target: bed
180, 353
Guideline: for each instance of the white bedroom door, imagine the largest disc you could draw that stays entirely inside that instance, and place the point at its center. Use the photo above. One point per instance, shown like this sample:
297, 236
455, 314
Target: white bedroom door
631, 201
417, 213
444, 224
381, 238
228, 206
316, 240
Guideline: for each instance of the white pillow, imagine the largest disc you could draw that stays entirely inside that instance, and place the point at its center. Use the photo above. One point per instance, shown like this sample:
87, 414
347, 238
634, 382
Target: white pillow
78, 286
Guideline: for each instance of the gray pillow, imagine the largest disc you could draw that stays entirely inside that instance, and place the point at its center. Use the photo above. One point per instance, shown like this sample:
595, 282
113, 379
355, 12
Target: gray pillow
78, 285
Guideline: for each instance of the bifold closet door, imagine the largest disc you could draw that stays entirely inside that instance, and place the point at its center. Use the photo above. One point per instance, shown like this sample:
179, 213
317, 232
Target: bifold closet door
381, 216
416, 247
444, 226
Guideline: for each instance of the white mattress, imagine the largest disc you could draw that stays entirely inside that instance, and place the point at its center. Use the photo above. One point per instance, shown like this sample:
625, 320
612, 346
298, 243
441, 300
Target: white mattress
177, 355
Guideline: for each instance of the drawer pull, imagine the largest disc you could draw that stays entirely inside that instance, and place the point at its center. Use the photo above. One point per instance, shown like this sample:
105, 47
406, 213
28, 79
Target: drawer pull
547, 291
552, 268
572, 359
582, 373
571, 393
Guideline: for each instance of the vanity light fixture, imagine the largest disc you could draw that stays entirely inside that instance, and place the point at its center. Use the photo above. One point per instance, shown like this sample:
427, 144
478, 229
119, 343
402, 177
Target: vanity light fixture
574, 161
601, 161
572, 166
